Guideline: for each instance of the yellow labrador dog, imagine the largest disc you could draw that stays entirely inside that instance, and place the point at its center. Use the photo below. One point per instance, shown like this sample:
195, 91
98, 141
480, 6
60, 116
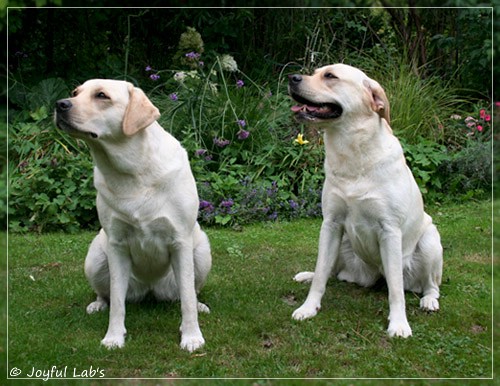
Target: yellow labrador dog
147, 204
373, 217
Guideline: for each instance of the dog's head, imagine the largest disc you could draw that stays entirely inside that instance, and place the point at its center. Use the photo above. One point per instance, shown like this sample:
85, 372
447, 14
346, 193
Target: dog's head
336, 92
102, 108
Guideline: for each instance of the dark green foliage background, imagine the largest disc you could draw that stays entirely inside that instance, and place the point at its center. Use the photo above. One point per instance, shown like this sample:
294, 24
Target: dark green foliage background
432, 62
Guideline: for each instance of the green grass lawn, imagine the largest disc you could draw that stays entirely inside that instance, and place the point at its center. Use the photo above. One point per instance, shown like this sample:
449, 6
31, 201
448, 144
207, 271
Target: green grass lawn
250, 332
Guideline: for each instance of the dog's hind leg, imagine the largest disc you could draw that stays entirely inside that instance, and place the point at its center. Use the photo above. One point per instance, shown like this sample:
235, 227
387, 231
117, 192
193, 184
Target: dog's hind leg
304, 277
349, 267
202, 257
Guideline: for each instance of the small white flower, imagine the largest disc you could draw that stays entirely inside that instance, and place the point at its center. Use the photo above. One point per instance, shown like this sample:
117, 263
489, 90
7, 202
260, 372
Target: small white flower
180, 76
193, 74
228, 63
213, 87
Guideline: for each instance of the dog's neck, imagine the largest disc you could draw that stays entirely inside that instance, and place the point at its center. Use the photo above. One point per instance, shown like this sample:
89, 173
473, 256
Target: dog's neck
354, 150
125, 159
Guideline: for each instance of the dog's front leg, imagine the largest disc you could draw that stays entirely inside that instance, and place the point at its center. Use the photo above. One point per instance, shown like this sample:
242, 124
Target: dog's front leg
330, 239
391, 252
119, 272
183, 266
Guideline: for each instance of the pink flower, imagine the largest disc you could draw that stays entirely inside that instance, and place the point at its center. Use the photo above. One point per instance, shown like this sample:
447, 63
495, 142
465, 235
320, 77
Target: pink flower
482, 113
497, 104
487, 117
479, 128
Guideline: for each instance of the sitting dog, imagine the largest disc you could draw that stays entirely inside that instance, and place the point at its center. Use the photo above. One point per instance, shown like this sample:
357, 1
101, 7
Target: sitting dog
147, 203
373, 217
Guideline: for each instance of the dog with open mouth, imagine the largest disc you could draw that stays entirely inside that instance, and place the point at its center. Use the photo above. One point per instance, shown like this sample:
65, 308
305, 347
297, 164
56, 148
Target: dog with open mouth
374, 223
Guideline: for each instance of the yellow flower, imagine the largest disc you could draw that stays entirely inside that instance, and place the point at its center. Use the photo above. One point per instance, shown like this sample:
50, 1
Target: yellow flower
300, 139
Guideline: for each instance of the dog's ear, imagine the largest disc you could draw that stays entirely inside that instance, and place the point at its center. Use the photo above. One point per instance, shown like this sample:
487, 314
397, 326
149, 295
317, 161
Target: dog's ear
378, 100
140, 112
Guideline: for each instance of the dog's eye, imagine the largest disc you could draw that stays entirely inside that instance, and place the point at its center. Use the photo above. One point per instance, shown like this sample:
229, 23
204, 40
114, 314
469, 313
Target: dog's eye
74, 93
101, 95
329, 75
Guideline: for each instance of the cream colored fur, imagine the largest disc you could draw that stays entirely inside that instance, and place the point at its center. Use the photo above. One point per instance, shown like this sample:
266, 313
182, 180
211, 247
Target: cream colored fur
147, 204
374, 222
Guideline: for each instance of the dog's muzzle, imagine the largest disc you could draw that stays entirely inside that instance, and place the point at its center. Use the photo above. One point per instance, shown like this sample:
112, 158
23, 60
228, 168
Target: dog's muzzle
63, 121
307, 109
63, 105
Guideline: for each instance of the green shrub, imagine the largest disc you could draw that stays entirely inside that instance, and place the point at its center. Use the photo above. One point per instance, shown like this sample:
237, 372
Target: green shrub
462, 169
469, 171
424, 159
50, 178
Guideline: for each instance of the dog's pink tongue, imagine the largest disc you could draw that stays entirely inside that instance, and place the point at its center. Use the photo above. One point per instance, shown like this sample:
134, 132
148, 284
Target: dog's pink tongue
297, 108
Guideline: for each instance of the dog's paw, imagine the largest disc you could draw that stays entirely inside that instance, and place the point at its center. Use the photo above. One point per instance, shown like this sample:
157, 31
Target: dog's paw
399, 328
192, 342
203, 308
305, 312
98, 305
304, 277
113, 341
428, 303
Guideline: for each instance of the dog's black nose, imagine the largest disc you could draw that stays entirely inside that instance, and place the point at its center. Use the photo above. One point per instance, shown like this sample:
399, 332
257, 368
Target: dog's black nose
294, 79
63, 105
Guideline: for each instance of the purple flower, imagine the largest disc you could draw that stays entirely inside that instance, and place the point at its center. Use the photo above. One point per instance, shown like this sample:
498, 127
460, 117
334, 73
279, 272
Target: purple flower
206, 206
240, 83
221, 142
200, 152
148, 68
173, 97
201, 63
273, 216
241, 122
192, 55
243, 134
293, 204
227, 203
154, 77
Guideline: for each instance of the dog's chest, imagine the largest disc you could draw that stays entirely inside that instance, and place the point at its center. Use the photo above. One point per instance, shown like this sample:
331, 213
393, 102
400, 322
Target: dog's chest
149, 248
363, 230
